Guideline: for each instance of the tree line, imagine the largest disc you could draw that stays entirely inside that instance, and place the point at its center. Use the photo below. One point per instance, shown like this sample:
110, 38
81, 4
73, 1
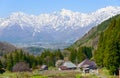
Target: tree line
47, 57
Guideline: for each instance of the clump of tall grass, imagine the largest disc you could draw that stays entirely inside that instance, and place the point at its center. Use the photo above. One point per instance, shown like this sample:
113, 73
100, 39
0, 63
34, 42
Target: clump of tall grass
78, 76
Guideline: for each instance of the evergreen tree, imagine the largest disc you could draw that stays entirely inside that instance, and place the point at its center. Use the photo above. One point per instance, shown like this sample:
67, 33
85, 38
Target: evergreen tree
10, 62
73, 55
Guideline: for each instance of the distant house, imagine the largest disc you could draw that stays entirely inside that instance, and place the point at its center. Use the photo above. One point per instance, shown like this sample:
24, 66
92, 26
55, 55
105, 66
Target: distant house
44, 67
87, 65
68, 65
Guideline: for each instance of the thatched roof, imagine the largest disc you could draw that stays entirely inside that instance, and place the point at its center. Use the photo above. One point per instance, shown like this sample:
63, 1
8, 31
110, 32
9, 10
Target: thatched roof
69, 64
87, 63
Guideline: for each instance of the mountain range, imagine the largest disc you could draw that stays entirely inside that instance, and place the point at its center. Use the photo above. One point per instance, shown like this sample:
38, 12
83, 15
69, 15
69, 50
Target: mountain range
63, 26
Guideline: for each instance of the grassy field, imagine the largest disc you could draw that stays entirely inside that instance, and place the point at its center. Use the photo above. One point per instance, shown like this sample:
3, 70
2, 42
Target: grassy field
103, 73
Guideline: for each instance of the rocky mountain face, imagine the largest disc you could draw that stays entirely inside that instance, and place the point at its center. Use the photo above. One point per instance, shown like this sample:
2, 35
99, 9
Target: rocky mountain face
64, 26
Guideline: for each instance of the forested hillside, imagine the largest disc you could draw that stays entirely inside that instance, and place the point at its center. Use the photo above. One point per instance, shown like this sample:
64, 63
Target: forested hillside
108, 52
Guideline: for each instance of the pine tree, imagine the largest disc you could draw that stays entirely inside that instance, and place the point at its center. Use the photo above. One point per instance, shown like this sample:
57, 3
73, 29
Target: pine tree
10, 62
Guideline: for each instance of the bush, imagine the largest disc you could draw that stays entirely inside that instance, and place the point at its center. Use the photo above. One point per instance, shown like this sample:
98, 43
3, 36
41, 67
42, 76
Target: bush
21, 67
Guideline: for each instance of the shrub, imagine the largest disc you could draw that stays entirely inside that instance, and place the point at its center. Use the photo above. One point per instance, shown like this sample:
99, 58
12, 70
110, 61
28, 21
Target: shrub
21, 67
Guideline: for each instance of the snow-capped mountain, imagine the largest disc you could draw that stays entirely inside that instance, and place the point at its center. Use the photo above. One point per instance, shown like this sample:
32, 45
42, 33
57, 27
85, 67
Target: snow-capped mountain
60, 26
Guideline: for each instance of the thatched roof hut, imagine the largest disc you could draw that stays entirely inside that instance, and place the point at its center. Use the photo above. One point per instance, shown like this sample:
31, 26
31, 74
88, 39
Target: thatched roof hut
68, 65
87, 64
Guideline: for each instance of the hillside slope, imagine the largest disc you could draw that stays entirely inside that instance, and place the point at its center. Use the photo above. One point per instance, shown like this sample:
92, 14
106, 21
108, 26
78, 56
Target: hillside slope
6, 48
91, 38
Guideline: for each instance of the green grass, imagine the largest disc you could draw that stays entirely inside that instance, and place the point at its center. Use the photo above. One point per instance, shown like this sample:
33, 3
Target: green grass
52, 68
8, 75
20, 75
78, 76
39, 76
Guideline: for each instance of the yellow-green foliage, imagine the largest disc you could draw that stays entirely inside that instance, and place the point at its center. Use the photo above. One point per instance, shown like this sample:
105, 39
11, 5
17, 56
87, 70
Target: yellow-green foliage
78, 76
104, 72
39, 77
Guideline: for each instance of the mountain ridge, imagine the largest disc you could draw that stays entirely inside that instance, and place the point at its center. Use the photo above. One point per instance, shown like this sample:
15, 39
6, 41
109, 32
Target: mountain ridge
50, 27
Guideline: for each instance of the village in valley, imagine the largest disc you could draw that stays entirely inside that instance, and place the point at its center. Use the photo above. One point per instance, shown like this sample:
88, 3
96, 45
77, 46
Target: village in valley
59, 39
85, 67
64, 69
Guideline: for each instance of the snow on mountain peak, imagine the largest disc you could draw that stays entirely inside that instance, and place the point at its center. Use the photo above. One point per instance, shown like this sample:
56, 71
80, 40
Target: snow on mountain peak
109, 9
65, 12
61, 26
60, 20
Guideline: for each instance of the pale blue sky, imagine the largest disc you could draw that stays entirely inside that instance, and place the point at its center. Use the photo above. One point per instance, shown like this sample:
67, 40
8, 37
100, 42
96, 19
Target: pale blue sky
37, 7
